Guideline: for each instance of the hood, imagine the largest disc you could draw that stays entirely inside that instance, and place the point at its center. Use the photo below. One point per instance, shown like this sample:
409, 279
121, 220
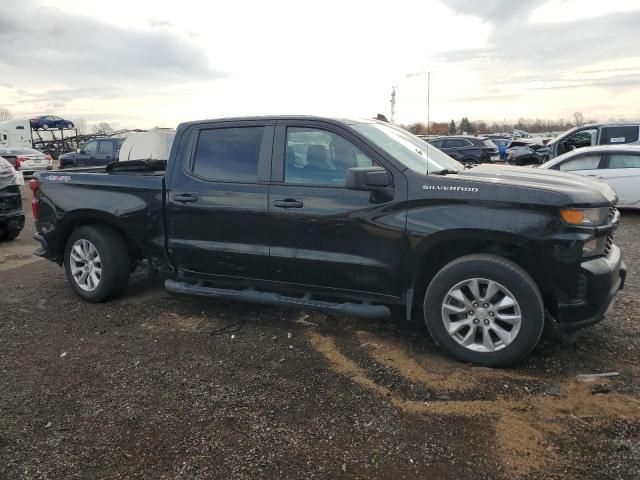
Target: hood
578, 190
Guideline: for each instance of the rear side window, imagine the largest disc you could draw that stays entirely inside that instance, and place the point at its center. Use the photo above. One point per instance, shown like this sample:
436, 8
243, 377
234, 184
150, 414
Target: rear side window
582, 163
613, 135
228, 154
105, 148
455, 143
624, 161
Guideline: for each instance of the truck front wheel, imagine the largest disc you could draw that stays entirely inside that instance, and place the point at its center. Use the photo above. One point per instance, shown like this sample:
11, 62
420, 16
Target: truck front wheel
484, 309
96, 262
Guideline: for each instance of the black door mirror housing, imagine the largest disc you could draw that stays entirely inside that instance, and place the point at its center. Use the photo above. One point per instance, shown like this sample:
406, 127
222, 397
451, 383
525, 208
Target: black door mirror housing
369, 179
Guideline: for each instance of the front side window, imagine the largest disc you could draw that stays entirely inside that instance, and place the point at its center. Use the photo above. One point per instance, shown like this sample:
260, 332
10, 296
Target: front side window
613, 135
583, 138
582, 163
624, 161
90, 147
320, 157
228, 154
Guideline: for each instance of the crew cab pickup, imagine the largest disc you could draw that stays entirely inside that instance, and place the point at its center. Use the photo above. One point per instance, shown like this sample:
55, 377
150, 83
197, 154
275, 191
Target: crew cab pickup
347, 217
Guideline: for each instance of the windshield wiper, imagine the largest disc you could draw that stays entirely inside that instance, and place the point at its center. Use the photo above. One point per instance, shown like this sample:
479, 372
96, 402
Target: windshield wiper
444, 172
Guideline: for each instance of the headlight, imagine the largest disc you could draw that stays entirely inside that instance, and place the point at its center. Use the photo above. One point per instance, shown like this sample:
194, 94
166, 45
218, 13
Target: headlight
591, 217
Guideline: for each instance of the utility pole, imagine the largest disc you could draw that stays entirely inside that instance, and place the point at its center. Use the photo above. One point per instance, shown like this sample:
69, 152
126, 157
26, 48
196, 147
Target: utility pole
393, 105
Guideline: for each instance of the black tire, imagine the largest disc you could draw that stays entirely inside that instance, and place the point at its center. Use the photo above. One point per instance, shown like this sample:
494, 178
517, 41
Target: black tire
9, 235
69, 125
470, 162
505, 272
45, 126
114, 258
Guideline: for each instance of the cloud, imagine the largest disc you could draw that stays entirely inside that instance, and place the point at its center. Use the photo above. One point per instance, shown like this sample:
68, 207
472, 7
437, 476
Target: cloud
494, 11
77, 50
546, 51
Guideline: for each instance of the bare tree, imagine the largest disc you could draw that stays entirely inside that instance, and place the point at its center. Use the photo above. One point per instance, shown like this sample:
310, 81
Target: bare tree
578, 119
81, 126
5, 114
103, 128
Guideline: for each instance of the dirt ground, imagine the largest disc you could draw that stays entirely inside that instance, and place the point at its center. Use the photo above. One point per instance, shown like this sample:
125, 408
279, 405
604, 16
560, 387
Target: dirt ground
162, 387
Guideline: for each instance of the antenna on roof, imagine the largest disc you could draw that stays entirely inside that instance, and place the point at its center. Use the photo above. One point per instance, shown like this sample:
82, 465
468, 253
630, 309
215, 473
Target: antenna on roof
428, 116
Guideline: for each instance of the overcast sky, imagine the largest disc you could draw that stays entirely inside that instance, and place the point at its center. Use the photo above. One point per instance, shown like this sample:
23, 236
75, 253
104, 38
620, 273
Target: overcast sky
140, 64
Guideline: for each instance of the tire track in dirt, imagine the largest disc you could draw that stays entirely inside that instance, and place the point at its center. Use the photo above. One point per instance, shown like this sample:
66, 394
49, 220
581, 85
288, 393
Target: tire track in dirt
524, 429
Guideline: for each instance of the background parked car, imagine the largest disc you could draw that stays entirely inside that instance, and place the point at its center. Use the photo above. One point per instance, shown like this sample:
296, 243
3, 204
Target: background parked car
27, 160
526, 152
11, 214
94, 153
595, 134
50, 121
617, 165
466, 149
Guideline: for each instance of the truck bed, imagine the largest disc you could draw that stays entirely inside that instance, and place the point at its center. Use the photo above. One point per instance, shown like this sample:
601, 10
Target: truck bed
129, 199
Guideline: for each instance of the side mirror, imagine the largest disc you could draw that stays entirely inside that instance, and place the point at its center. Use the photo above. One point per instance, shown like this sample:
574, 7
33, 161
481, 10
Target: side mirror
368, 179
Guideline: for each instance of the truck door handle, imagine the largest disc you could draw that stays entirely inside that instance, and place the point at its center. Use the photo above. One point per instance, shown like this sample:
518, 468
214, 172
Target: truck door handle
288, 203
185, 198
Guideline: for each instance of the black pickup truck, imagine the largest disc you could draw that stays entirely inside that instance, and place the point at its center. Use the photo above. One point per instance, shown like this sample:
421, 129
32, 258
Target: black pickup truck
348, 217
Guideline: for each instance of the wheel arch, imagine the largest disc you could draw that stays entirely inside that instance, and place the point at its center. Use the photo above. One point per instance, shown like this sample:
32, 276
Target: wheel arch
80, 218
437, 250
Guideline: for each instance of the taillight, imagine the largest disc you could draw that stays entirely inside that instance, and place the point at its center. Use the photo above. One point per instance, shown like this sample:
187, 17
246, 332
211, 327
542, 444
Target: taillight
48, 158
19, 160
35, 189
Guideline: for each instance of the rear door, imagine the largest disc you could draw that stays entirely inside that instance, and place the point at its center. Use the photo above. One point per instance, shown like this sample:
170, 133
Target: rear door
459, 149
217, 197
104, 154
622, 172
322, 234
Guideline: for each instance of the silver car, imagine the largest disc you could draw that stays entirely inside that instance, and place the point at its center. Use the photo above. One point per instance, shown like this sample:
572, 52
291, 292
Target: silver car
27, 160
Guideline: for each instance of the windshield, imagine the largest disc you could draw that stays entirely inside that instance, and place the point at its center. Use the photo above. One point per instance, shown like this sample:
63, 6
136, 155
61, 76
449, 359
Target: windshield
411, 151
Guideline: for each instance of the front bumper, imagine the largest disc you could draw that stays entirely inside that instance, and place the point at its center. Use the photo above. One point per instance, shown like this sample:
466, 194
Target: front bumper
600, 280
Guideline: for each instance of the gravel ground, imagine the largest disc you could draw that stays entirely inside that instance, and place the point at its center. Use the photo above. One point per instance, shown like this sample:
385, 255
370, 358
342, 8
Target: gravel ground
156, 386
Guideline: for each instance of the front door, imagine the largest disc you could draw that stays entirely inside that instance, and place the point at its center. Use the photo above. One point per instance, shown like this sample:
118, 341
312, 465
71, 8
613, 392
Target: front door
322, 234
87, 154
217, 201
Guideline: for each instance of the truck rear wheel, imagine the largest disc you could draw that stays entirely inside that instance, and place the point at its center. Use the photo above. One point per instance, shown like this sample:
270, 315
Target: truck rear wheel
97, 263
484, 309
